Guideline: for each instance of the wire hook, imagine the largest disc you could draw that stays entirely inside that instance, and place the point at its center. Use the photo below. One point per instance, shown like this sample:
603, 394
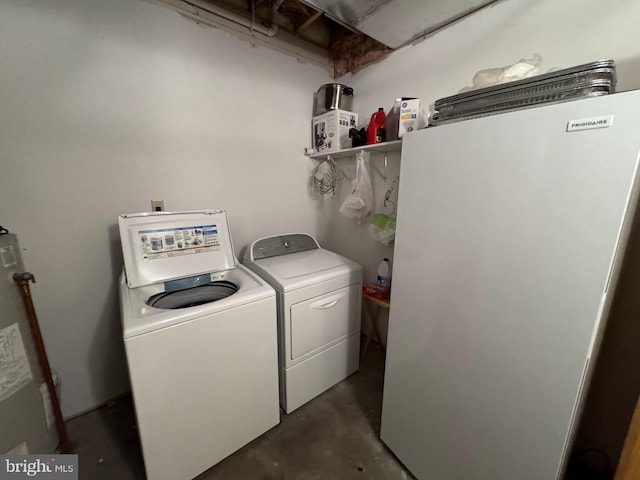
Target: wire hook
383, 175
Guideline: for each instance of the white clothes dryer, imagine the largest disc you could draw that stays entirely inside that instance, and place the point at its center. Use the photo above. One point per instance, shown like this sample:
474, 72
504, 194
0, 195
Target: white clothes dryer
200, 338
319, 306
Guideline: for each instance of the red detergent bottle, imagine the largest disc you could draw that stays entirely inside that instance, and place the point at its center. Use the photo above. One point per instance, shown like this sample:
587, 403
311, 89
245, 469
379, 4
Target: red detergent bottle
375, 130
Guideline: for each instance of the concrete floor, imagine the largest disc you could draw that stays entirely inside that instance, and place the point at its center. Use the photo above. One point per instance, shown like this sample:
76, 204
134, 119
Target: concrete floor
335, 436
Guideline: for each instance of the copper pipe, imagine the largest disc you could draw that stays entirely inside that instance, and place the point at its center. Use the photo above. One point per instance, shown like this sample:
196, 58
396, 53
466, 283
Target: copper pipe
23, 279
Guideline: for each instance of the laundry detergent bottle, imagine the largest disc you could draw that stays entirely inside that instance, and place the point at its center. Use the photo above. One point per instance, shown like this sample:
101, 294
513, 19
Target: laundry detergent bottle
375, 130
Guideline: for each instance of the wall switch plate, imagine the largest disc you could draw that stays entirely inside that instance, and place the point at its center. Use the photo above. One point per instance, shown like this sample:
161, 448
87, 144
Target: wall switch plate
157, 205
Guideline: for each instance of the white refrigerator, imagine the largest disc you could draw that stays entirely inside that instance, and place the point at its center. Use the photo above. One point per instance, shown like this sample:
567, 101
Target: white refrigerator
511, 230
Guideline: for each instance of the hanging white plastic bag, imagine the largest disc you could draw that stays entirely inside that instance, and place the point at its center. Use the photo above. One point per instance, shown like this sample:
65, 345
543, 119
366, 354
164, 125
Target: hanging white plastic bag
359, 203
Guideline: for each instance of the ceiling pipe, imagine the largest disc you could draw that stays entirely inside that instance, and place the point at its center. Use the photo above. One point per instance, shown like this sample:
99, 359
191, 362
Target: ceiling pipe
310, 54
274, 10
235, 18
447, 23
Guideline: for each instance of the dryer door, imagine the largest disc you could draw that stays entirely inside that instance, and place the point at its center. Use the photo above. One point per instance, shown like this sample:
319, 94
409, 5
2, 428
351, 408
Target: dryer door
321, 320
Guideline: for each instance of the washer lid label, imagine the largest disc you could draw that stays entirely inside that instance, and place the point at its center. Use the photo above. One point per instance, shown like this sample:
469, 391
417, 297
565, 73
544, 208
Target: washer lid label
173, 242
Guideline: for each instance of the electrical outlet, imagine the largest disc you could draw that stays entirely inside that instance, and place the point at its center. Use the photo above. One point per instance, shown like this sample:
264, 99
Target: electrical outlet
157, 205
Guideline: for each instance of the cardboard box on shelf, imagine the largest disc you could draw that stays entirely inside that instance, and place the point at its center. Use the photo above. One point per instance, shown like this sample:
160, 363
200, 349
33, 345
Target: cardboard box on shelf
408, 114
330, 130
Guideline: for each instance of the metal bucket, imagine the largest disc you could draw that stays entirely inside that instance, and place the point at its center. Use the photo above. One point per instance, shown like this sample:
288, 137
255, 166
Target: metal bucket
333, 96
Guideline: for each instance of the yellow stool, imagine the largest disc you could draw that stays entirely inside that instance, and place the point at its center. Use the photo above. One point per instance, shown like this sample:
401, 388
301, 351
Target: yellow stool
373, 307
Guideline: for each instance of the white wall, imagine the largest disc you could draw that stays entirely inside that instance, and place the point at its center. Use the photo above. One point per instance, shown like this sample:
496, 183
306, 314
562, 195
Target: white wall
565, 33
108, 105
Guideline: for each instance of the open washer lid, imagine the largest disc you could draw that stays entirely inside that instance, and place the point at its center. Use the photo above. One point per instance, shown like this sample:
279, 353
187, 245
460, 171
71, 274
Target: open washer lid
161, 246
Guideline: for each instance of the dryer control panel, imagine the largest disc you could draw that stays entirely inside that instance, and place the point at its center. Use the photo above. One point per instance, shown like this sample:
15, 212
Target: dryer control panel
282, 245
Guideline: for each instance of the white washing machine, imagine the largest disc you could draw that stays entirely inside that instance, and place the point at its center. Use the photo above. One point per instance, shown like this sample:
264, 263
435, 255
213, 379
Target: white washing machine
201, 342
319, 305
